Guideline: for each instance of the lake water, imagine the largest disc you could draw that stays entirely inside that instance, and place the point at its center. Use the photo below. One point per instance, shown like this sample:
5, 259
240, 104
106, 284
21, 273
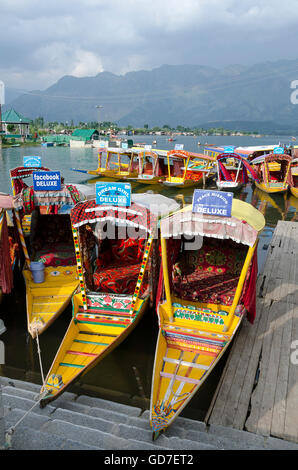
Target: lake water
115, 377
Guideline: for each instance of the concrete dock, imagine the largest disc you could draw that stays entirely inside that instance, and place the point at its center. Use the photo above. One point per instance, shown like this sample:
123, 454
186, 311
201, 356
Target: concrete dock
258, 390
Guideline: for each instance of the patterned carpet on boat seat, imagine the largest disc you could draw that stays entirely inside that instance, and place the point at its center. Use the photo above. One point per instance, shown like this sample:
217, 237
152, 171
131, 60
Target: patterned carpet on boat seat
210, 274
56, 254
117, 279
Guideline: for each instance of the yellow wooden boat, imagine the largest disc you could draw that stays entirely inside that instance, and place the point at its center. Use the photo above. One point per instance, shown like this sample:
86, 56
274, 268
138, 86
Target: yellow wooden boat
249, 152
51, 246
187, 169
208, 285
152, 167
116, 163
273, 172
294, 175
114, 284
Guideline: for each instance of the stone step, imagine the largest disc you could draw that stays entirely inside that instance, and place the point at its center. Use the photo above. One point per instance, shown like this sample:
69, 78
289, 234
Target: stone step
27, 438
95, 437
108, 405
94, 423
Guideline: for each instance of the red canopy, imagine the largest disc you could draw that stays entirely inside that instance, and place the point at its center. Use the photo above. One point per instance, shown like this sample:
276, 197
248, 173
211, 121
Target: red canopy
135, 215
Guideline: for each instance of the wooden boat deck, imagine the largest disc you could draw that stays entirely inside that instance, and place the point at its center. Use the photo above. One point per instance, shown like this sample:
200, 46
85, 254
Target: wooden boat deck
258, 389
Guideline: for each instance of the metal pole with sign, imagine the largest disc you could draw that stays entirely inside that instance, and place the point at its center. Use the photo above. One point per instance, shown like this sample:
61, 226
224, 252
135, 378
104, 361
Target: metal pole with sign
2, 101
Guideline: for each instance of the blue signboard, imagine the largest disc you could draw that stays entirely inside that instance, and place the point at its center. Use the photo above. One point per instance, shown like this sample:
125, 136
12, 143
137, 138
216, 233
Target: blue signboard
278, 150
229, 149
46, 180
179, 146
116, 194
32, 162
212, 202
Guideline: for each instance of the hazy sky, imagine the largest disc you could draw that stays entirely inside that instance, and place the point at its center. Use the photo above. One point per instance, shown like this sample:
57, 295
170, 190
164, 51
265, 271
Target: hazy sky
41, 41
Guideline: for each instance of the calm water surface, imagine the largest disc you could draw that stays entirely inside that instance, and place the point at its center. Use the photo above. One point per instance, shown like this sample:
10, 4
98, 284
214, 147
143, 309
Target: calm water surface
115, 377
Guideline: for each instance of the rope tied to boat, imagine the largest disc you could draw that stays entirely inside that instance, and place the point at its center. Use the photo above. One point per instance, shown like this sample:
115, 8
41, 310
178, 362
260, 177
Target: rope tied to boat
39, 357
11, 430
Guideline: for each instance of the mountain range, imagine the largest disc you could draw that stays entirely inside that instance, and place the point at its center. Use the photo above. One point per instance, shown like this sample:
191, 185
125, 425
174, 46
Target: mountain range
258, 96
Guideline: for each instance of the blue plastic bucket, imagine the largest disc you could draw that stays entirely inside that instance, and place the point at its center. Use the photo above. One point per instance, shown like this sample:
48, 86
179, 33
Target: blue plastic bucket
37, 270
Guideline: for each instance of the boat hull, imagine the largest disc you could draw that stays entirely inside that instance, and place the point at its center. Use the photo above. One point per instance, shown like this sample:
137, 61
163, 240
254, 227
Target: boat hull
223, 186
271, 189
91, 336
180, 183
47, 300
294, 191
185, 356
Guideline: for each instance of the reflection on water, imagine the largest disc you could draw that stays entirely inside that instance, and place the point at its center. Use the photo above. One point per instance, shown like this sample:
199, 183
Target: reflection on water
115, 377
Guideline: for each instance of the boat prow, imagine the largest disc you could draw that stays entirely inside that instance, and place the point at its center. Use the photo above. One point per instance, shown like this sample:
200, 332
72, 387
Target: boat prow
91, 335
47, 300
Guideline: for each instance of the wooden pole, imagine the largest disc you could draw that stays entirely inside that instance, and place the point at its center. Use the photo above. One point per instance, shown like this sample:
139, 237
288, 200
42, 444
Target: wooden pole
2, 426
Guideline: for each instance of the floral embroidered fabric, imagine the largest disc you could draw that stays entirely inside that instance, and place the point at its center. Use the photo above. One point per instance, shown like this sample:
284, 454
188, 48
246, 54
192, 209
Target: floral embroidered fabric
118, 267
210, 274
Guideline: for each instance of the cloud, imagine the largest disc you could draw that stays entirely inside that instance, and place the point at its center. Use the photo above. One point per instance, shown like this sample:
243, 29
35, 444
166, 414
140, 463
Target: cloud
42, 41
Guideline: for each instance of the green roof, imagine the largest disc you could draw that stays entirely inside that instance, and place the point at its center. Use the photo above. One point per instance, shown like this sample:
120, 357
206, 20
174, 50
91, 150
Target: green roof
86, 134
14, 117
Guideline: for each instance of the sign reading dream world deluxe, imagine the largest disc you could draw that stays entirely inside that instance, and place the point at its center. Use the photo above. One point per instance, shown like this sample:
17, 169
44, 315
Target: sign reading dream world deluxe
212, 202
117, 194
46, 180
32, 162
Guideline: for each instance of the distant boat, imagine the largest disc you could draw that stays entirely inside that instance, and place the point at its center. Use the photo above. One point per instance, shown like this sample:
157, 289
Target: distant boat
171, 139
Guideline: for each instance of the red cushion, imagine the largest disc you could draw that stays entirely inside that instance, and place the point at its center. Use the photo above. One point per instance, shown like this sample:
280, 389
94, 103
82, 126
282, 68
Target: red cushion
207, 287
117, 279
210, 274
129, 250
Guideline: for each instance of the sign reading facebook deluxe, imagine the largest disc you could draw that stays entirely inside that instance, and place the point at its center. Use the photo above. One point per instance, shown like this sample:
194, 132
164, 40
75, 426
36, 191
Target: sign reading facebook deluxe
116, 194
212, 202
46, 180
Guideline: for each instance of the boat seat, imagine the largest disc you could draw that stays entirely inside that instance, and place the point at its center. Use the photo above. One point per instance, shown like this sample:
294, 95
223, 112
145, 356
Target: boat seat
56, 254
211, 274
118, 279
117, 268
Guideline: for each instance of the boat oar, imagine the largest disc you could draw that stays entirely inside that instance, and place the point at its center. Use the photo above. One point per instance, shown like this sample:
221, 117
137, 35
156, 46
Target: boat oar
80, 171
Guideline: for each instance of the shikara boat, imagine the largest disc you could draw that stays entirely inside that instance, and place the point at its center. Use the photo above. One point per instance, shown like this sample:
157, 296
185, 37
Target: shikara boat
113, 249
187, 169
274, 172
17, 177
209, 284
233, 171
116, 163
294, 176
249, 152
152, 167
51, 243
